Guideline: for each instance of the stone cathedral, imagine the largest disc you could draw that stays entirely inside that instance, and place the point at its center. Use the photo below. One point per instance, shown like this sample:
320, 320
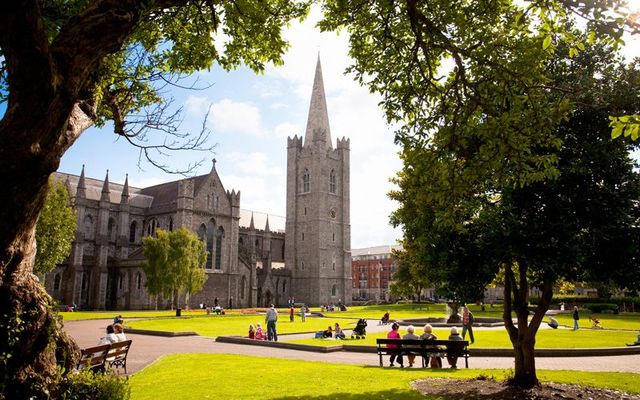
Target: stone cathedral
254, 258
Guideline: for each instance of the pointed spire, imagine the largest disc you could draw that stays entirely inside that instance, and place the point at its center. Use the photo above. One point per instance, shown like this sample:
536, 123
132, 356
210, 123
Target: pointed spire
318, 119
266, 226
105, 188
251, 225
125, 191
213, 167
81, 191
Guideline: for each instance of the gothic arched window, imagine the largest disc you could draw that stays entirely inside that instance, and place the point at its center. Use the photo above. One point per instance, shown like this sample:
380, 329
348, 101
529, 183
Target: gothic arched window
138, 280
151, 227
210, 232
219, 236
243, 284
111, 230
132, 232
56, 282
170, 224
305, 181
88, 227
332, 182
334, 290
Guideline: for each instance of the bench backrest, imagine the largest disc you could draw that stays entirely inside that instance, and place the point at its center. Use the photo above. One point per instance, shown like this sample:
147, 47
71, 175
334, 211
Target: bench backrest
453, 346
93, 357
119, 350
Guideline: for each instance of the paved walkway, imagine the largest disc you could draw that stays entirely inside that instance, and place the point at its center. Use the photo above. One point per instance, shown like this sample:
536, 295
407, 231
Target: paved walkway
146, 349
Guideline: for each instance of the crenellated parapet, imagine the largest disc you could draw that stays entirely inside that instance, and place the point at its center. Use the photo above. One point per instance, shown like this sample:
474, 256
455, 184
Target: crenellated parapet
343, 143
294, 142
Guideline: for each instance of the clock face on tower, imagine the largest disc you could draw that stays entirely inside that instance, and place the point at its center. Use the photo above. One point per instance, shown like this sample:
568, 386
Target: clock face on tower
332, 213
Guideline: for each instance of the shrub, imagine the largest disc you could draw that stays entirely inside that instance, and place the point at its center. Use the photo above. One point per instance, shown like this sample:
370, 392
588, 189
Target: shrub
601, 307
87, 385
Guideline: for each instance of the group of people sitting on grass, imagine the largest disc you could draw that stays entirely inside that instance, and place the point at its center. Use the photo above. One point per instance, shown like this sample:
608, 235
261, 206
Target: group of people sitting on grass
115, 333
434, 361
336, 332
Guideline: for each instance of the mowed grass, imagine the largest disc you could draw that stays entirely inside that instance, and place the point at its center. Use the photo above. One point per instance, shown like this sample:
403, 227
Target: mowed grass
225, 376
235, 324
82, 315
498, 338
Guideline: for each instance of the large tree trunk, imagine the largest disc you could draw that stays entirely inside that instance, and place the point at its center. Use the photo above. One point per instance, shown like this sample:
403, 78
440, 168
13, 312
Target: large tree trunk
523, 337
50, 104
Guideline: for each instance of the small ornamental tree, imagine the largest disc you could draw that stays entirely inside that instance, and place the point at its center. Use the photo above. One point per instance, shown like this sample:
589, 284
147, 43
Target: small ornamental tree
174, 263
55, 229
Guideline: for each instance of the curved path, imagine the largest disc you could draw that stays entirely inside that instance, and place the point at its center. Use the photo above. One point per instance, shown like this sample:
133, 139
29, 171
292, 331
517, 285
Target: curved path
146, 349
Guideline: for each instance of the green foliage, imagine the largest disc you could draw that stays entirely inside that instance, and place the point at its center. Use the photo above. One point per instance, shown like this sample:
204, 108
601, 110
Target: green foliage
409, 278
174, 262
626, 126
601, 307
87, 385
55, 229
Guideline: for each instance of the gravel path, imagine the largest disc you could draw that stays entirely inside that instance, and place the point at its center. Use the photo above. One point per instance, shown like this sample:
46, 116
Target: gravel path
146, 349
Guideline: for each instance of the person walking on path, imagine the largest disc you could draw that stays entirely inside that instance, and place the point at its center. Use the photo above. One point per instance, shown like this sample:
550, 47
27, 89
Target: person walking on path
291, 312
270, 319
395, 354
303, 313
467, 323
576, 317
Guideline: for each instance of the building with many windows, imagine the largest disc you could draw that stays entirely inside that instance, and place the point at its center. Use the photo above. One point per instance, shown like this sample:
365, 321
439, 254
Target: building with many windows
372, 269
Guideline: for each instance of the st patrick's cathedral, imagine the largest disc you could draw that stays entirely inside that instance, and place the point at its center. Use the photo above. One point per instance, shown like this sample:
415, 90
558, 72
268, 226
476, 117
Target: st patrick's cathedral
254, 258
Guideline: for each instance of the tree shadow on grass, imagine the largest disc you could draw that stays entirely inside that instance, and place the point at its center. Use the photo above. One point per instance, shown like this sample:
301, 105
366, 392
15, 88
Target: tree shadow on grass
391, 394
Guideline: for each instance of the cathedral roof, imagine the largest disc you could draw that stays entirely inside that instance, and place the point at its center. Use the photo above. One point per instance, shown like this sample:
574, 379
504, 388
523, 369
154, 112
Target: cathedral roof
94, 187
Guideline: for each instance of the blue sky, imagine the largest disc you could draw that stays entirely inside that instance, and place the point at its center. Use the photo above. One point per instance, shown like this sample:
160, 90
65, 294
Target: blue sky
250, 119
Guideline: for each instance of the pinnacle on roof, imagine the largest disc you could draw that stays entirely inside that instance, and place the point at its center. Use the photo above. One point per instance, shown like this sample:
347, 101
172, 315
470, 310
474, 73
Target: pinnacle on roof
266, 225
125, 190
251, 225
81, 190
318, 119
105, 188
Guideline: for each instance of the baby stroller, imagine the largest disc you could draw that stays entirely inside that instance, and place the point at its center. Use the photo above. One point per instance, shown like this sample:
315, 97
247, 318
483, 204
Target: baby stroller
360, 331
385, 319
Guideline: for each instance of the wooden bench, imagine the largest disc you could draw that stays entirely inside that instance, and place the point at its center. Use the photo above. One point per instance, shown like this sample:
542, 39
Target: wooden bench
93, 358
425, 348
113, 355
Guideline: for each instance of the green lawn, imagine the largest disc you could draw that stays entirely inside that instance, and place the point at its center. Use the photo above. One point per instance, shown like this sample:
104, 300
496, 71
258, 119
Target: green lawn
222, 325
215, 376
561, 338
81, 315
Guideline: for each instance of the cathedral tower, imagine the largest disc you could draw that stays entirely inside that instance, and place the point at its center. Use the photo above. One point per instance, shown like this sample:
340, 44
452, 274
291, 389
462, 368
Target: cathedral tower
318, 231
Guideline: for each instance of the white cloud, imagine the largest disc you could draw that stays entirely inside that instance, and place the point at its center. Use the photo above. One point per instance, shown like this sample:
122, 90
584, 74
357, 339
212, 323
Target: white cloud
196, 105
228, 116
256, 163
257, 193
287, 129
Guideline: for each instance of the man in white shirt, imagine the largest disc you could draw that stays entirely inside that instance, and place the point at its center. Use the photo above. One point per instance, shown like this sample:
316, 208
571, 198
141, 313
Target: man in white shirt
270, 319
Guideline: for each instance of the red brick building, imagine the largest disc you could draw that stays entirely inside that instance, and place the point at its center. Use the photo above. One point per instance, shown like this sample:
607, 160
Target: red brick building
372, 269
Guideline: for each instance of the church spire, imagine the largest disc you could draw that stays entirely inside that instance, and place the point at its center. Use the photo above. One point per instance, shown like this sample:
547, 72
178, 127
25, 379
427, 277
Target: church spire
266, 226
318, 119
81, 191
251, 225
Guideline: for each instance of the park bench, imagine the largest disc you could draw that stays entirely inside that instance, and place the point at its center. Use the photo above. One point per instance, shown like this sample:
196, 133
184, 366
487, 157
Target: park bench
425, 348
97, 358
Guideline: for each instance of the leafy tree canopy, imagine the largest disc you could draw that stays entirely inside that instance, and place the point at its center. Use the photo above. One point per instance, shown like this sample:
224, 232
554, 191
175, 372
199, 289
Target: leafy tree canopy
55, 229
174, 263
